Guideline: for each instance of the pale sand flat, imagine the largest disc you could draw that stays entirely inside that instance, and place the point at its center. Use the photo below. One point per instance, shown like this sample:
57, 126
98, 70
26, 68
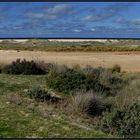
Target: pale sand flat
128, 61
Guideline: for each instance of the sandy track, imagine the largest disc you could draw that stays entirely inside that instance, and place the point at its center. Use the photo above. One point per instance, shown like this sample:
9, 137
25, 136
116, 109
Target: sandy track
128, 61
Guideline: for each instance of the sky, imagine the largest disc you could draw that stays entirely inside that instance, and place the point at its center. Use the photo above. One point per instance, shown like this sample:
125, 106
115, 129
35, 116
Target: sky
70, 19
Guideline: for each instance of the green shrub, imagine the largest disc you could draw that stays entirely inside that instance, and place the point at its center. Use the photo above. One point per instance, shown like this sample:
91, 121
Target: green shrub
90, 103
76, 67
128, 94
66, 81
108, 81
116, 68
46, 67
122, 122
23, 67
113, 81
97, 79
71, 80
92, 83
40, 94
58, 69
92, 72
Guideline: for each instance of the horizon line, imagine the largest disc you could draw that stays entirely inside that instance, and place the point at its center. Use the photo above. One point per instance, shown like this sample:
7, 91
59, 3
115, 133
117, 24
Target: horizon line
67, 38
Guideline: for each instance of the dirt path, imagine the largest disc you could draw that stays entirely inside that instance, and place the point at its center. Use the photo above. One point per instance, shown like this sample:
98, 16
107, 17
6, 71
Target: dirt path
128, 61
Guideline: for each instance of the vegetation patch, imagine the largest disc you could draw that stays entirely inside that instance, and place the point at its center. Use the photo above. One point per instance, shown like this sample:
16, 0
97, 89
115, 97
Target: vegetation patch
46, 45
23, 67
103, 81
122, 122
90, 103
102, 98
40, 94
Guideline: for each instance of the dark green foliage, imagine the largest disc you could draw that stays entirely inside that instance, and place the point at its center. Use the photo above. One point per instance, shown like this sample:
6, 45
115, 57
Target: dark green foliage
40, 94
100, 80
92, 72
46, 67
71, 80
107, 80
122, 122
66, 81
94, 84
23, 67
96, 107
116, 68
112, 81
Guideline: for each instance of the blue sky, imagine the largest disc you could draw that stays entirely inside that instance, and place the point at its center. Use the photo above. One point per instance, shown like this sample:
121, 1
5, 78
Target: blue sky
70, 19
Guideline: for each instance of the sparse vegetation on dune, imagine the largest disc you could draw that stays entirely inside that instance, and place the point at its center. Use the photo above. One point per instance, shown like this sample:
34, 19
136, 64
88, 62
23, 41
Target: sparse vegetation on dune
45, 45
71, 102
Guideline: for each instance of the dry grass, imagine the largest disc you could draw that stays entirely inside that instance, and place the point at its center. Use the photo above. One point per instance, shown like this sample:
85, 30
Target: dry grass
82, 99
89, 102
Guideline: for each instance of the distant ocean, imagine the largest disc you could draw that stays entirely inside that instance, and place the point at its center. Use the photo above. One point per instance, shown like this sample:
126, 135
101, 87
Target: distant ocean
74, 38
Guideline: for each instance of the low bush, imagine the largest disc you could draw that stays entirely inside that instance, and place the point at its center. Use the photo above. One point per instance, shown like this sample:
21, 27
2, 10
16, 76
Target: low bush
23, 67
92, 72
100, 80
108, 82
58, 69
116, 68
122, 122
71, 80
1, 67
128, 95
66, 81
90, 103
46, 67
40, 94
76, 67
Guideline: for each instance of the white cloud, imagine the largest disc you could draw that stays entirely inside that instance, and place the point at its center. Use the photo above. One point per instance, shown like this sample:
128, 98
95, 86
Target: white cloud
36, 15
93, 29
76, 30
54, 12
59, 9
136, 21
106, 13
87, 18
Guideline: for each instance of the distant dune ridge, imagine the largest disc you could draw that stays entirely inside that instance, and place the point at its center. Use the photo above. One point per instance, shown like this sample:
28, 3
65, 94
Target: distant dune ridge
63, 40
17, 40
78, 40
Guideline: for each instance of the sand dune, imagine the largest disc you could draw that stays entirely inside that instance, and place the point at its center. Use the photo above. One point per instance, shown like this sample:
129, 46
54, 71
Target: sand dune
78, 40
17, 40
62, 40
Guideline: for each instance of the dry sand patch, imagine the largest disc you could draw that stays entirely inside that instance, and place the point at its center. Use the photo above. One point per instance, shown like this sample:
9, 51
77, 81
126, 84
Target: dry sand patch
129, 61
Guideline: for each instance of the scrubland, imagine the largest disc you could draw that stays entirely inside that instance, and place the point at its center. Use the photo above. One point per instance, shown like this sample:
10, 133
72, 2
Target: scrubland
39, 99
69, 89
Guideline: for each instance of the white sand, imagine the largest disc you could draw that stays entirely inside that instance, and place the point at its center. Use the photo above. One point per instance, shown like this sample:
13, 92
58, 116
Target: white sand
17, 40
78, 40
62, 40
